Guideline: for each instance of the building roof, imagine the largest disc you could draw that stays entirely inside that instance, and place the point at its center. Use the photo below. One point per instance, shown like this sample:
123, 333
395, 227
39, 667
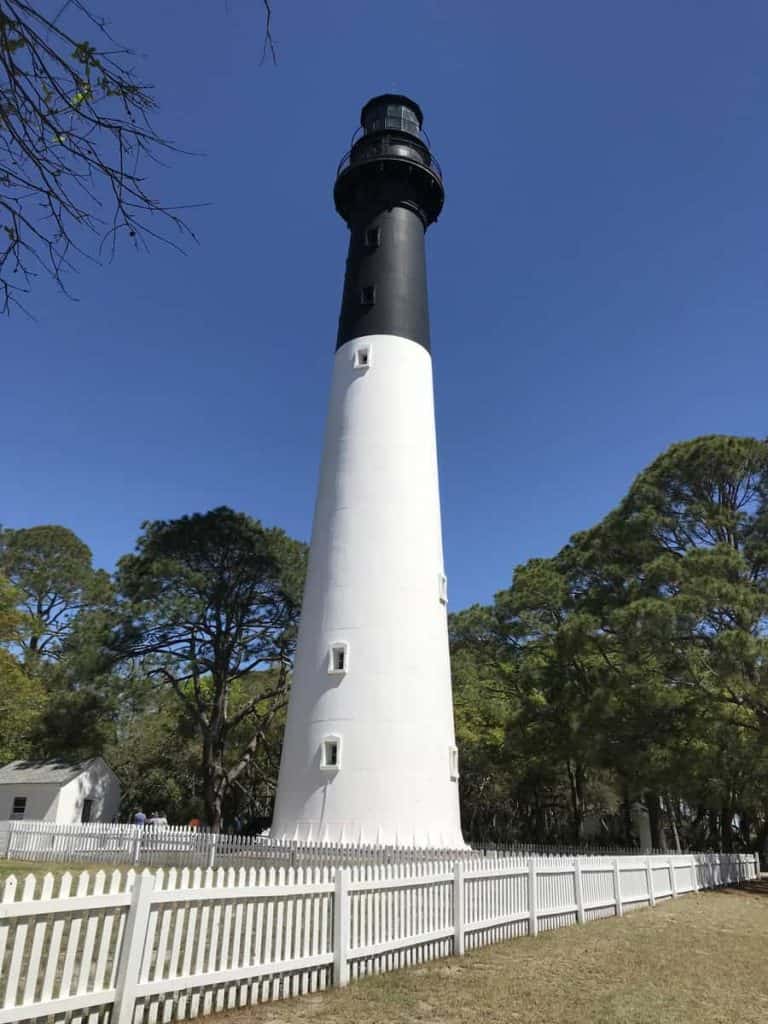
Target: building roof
53, 771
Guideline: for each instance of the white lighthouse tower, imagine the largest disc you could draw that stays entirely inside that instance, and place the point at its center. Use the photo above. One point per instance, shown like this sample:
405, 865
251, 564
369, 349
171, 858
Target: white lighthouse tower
369, 754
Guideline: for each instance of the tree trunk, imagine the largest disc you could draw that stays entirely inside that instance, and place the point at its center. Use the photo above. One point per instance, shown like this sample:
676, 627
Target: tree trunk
761, 842
576, 779
540, 819
213, 783
626, 816
745, 830
672, 816
716, 836
726, 832
658, 839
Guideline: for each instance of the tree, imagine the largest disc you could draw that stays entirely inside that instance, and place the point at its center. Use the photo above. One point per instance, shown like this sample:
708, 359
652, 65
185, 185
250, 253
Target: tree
155, 753
483, 711
208, 602
690, 543
65, 605
694, 531
21, 698
529, 706
76, 140
52, 570
632, 665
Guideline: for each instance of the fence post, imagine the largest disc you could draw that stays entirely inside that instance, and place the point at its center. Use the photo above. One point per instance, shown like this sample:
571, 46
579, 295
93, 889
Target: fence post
617, 887
11, 829
458, 908
340, 929
212, 849
579, 890
694, 872
137, 845
132, 949
649, 877
757, 864
673, 878
533, 926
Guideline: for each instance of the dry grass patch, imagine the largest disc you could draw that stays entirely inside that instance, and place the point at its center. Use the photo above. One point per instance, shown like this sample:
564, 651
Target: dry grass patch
700, 958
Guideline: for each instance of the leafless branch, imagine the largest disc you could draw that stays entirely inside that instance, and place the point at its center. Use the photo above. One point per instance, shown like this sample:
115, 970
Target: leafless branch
75, 140
268, 49
75, 134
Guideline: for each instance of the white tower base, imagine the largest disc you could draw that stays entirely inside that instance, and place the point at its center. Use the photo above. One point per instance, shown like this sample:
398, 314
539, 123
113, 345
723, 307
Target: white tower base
369, 753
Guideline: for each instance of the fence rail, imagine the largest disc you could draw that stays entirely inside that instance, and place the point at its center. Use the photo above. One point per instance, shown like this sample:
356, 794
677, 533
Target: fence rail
132, 845
137, 948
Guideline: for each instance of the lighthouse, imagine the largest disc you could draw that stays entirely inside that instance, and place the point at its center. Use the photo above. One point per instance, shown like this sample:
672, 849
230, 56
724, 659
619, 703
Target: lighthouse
369, 754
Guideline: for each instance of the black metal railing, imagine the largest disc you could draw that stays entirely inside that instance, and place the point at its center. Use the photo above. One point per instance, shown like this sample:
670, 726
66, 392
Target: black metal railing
428, 161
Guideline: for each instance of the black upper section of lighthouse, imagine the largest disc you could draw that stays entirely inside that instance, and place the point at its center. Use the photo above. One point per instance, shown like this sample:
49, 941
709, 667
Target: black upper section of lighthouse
389, 189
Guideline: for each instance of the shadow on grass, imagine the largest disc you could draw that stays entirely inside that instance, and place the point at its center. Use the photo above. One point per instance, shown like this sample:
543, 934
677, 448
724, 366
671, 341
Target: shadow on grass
757, 888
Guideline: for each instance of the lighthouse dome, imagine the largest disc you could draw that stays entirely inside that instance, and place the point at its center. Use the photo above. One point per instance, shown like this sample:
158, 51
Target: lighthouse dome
391, 112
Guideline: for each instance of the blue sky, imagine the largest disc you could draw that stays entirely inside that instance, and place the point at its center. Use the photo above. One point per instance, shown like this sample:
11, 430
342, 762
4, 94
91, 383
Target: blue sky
597, 279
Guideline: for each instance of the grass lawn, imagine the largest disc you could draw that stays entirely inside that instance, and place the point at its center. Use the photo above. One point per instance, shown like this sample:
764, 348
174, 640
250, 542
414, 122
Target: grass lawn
700, 959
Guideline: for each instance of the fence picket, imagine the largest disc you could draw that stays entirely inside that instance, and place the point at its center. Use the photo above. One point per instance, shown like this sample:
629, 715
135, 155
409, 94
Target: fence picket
187, 943
84, 981
38, 942
17, 951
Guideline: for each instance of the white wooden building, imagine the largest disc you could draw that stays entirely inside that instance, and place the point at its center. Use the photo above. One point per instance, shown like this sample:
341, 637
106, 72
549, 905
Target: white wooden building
59, 791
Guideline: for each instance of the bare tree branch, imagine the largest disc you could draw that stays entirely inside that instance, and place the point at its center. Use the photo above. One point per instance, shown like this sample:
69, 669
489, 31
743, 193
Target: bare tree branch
76, 138
268, 49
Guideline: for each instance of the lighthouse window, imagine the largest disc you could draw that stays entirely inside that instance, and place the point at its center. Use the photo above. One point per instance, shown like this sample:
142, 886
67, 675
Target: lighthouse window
373, 238
362, 358
442, 587
453, 762
338, 658
330, 752
368, 295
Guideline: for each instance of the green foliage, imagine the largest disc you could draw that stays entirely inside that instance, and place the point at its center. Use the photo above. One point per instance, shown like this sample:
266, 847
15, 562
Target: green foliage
634, 661
207, 603
156, 755
52, 570
21, 698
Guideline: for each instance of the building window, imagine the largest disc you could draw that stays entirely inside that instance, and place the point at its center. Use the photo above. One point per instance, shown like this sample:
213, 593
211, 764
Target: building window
362, 357
330, 753
442, 587
19, 807
453, 763
338, 658
373, 238
368, 295
87, 811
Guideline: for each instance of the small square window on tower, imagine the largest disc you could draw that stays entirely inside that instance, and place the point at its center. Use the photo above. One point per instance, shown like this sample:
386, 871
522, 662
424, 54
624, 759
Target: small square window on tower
453, 763
373, 238
442, 587
361, 359
368, 295
338, 658
330, 753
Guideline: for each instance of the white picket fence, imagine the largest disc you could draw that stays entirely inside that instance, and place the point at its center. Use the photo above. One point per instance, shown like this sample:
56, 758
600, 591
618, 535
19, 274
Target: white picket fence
133, 948
130, 845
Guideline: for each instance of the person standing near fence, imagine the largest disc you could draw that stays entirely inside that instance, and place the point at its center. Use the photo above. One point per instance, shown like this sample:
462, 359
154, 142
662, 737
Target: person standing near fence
140, 818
